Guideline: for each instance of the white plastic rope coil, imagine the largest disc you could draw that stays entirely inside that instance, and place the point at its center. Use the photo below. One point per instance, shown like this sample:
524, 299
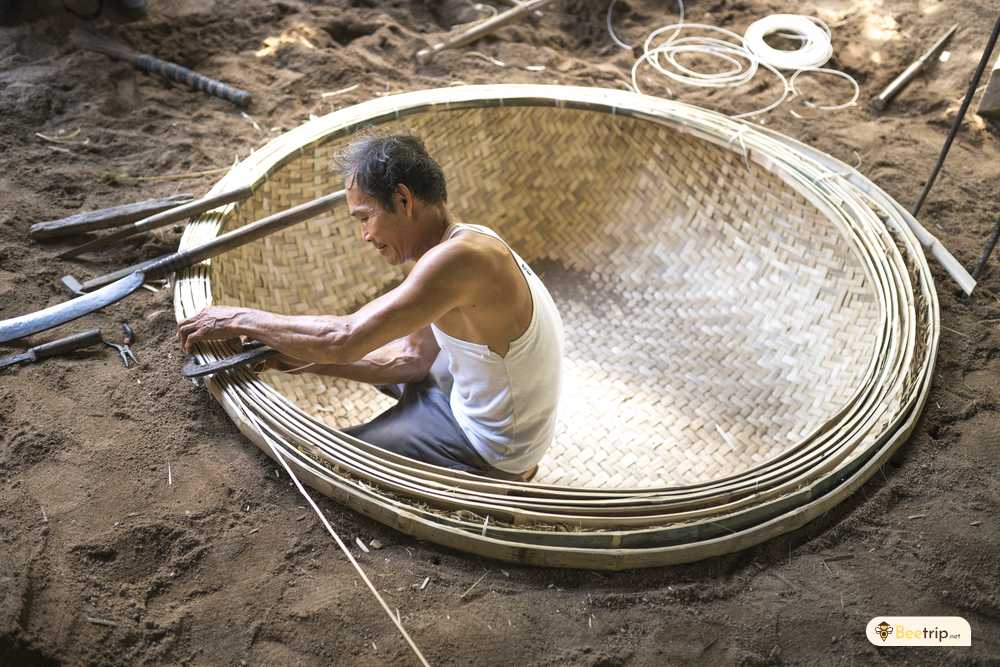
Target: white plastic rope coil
824, 70
741, 56
663, 57
816, 48
720, 48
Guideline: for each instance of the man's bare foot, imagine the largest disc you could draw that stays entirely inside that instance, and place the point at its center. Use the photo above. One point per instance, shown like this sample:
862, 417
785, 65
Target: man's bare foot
528, 476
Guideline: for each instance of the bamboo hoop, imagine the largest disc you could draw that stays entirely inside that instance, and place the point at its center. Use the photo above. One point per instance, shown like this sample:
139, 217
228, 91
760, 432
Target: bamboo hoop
751, 325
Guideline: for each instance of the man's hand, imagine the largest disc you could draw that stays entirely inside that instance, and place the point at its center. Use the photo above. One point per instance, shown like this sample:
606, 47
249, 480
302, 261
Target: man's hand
211, 323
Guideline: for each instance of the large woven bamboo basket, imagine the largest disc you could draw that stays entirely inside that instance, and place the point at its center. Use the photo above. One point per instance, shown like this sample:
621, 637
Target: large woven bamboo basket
751, 325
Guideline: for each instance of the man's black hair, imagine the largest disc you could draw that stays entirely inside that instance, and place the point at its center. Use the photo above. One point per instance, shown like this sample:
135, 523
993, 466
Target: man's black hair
377, 160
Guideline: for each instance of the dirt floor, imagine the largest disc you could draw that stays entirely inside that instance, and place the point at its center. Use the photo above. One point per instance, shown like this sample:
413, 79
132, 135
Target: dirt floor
139, 527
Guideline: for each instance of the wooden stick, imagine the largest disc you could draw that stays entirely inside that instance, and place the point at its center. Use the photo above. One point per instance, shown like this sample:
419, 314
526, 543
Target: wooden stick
161, 267
123, 178
106, 218
517, 3
53, 316
163, 219
424, 56
471, 587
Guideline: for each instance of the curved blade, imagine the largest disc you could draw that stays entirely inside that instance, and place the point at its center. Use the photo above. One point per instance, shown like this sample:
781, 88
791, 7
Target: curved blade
53, 316
251, 356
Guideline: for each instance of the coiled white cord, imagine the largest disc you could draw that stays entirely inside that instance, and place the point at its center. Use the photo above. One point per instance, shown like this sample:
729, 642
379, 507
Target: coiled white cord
720, 48
612, 32
816, 48
815, 51
744, 55
823, 70
744, 63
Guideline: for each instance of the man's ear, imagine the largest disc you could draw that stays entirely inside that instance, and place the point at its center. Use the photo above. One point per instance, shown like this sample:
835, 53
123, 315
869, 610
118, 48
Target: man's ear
406, 198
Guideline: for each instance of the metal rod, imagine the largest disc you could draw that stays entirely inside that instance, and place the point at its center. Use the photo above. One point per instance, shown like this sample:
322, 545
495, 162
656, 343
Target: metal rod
961, 115
987, 251
901, 81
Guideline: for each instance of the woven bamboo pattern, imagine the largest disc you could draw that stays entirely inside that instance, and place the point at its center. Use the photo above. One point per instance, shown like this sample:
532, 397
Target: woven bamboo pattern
744, 325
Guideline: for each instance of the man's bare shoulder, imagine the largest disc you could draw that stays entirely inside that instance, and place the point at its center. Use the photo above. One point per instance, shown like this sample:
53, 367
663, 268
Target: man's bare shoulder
468, 249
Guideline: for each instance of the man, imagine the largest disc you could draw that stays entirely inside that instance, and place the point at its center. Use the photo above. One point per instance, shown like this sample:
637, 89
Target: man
468, 299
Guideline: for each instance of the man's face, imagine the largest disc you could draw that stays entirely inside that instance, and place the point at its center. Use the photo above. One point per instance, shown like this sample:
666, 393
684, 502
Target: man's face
386, 231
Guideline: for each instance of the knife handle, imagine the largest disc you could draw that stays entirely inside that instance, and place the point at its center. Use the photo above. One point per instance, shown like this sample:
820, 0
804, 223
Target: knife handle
68, 344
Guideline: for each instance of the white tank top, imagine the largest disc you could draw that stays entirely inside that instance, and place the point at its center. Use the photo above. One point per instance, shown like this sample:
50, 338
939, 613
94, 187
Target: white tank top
507, 405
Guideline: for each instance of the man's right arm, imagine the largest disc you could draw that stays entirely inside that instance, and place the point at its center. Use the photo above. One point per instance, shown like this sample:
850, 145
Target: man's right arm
444, 279
407, 359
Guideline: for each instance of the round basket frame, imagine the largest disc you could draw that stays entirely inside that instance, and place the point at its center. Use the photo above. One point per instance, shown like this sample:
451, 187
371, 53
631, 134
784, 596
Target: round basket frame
799, 218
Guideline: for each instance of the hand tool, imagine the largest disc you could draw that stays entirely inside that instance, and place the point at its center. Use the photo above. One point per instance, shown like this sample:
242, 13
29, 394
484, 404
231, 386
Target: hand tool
25, 325
95, 41
910, 72
424, 56
125, 348
162, 219
106, 218
253, 352
56, 347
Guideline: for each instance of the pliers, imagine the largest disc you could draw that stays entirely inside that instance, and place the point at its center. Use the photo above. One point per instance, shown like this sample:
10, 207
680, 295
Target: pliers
124, 348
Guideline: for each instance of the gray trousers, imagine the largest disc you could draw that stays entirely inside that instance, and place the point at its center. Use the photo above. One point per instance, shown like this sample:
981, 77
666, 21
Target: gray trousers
422, 426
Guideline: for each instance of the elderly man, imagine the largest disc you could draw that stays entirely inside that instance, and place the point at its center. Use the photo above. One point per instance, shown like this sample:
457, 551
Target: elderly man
469, 303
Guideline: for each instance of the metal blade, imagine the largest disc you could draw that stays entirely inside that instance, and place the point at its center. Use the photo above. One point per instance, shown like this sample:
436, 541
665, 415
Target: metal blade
936, 50
53, 316
252, 356
27, 356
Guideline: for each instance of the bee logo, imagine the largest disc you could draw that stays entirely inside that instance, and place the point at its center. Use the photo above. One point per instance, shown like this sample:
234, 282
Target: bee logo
883, 630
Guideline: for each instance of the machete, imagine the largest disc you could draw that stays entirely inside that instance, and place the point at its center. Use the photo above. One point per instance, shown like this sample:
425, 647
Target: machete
25, 325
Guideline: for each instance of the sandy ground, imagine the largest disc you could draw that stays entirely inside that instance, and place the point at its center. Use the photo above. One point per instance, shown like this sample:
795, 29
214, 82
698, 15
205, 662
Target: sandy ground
129, 497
